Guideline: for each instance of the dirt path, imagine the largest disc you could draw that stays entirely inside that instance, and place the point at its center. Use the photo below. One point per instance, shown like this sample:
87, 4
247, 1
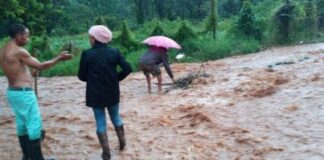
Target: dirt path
268, 105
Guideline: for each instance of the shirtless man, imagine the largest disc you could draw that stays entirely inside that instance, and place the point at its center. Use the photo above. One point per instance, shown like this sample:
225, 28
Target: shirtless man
15, 62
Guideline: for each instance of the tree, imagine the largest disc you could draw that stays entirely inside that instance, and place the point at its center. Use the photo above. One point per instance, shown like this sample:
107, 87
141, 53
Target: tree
34, 15
199, 8
212, 21
320, 11
310, 18
184, 32
158, 30
10, 9
100, 7
246, 21
284, 18
100, 20
229, 8
55, 15
160, 8
126, 40
139, 10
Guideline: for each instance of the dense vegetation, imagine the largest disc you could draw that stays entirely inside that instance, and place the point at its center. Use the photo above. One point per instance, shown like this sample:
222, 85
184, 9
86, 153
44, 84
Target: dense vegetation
206, 29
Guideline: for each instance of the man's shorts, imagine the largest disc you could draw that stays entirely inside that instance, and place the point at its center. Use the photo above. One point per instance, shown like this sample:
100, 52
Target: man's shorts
150, 69
23, 102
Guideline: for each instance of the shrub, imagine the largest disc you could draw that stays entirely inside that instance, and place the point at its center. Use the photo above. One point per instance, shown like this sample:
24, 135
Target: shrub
246, 22
126, 40
40, 47
184, 32
158, 30
112, 22
133, 58
100, 20
310, 19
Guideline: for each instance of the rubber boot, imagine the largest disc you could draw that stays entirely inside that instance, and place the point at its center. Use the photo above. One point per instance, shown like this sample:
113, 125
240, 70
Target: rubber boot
43, 132
34, 150
23, 140
121, 137
103, 140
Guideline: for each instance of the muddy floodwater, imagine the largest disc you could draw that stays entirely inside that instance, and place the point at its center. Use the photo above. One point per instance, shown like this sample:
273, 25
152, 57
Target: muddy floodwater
263, 106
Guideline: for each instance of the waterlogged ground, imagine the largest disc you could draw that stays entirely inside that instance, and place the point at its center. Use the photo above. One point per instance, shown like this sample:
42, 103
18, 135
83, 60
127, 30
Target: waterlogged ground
265, 106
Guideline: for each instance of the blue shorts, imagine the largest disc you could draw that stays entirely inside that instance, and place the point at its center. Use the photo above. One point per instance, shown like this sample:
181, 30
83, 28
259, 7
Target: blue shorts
23, 102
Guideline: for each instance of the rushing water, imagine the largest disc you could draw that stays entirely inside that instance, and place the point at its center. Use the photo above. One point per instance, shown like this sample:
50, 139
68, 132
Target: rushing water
268, 105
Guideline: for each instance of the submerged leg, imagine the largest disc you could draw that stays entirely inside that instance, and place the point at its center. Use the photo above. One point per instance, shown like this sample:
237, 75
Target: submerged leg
148, 81
159, 78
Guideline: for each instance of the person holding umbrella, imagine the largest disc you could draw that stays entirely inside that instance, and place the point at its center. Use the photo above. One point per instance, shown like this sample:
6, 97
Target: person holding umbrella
156, 55
98, 67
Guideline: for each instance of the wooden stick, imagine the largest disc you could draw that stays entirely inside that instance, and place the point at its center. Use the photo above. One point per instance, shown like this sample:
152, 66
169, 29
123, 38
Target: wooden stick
35, 86
69, 49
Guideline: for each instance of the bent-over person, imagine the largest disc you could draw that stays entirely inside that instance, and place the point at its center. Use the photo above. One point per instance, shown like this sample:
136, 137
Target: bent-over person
150, 62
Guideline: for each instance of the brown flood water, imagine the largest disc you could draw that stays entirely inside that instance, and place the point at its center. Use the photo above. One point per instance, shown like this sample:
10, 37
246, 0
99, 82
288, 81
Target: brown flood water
244, 111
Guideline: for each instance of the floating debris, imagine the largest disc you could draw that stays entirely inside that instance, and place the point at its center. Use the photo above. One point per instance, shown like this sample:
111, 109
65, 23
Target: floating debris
185, 82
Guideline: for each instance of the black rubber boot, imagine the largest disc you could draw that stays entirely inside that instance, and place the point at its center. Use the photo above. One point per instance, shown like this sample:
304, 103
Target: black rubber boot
34, 150
103, 140
43, 132
121, 137
23, 140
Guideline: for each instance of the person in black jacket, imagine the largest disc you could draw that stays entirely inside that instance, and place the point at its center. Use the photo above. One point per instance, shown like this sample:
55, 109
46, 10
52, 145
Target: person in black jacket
98, 67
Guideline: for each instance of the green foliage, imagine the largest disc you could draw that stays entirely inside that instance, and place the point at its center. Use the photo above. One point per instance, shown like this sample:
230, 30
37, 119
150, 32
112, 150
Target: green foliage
229, 8
184, 32
310, 19
100, 20
65, 68
40, 47
298, 25
260, 23
71, 48
113, 22
320, 11
284, 19
126, 40
10, 9
58, 44
158, 30
246, 21
139, 10
225, 45
134, 57
212, 22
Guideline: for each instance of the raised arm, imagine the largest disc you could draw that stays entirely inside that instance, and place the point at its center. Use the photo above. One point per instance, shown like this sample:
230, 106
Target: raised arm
32, 62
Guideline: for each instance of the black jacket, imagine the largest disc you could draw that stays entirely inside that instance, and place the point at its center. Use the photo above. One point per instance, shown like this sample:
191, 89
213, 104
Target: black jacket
98, 67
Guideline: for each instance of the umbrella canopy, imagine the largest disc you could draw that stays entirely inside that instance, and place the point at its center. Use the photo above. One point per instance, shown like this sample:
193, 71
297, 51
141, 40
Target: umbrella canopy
162, 41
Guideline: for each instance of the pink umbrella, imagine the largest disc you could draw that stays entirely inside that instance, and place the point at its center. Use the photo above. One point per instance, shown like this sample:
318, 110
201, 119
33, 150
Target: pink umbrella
162, 41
